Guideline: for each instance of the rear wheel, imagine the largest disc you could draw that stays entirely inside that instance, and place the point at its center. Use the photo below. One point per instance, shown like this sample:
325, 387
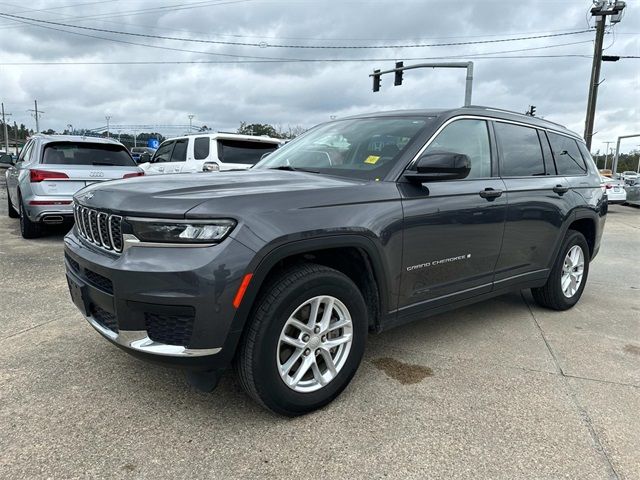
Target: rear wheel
305, 342
568, 276
28, 229
10, 210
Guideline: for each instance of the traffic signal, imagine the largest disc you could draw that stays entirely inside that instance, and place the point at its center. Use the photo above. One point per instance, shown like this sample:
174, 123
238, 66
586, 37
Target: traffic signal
398, 76
532, 111
376, 80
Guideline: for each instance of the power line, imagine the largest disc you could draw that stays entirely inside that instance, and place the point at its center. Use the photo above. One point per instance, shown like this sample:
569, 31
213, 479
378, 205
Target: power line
242, 62
297, 46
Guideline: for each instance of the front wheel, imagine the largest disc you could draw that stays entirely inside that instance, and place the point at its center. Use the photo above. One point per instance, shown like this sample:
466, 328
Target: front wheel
10, 210
305, 342
568, 276
28, 229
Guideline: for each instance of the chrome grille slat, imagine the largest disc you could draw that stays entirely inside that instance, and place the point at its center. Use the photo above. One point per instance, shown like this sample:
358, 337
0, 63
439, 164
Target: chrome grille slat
99, 228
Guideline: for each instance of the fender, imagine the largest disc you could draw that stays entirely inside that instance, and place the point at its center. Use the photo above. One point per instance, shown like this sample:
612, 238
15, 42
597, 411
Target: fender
264, 261
575, 214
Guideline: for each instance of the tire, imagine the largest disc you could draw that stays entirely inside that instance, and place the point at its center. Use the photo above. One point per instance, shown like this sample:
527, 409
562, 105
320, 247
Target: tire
28, 229
551, 295
10, 210
262, 353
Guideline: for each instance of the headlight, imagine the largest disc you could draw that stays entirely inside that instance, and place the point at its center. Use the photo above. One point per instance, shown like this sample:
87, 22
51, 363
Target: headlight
186, 231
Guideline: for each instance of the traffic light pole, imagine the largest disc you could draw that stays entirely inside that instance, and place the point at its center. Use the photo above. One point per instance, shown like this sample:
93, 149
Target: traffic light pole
467, 65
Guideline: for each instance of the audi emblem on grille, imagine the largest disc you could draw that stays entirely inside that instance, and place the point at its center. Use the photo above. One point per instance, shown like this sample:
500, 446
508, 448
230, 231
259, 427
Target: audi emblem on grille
99, 228
96, 173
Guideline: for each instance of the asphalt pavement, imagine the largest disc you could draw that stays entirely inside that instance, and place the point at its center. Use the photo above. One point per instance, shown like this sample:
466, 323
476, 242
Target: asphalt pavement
502, 389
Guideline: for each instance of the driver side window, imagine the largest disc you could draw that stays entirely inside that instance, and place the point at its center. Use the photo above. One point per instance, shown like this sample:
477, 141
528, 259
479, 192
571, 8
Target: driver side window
163, 154
469, 137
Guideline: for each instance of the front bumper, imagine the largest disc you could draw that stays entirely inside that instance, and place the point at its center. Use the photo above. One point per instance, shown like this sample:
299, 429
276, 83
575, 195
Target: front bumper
168, 305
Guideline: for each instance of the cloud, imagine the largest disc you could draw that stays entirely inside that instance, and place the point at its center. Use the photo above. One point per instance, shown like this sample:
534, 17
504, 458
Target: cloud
222, 95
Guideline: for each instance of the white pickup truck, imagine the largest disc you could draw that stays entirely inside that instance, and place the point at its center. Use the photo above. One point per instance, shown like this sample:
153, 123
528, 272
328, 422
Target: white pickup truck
206, 152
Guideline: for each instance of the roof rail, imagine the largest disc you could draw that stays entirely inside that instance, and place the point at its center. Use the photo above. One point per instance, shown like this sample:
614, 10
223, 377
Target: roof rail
512, 112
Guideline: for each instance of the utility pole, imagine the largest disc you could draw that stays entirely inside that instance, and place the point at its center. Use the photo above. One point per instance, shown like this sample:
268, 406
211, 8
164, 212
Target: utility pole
601, 9
36, 114
6, 131
107, 117
191, 121
135, 138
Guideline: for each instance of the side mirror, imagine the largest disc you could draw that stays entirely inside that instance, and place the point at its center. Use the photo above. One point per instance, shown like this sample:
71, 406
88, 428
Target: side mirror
144, 157
440, 166
6, 161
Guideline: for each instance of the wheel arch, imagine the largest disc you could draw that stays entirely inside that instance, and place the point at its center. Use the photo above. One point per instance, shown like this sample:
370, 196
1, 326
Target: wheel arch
336, 251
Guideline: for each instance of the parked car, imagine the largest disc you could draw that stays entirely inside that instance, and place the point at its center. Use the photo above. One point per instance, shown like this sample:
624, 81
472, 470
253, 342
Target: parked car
614, 189
360, 224
209, 152
51, 168
136, 152
630, 177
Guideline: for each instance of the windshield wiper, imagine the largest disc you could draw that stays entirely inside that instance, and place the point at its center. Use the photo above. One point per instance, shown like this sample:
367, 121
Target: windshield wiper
289, 168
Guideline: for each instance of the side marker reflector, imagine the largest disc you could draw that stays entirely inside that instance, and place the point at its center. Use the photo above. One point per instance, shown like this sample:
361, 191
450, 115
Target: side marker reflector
237, 300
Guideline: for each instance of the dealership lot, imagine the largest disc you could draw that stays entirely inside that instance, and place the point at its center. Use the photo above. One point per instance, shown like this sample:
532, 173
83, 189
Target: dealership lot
501, 389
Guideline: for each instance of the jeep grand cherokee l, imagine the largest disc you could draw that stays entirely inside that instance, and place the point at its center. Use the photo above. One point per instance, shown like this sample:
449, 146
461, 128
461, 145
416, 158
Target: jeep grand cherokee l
360, 224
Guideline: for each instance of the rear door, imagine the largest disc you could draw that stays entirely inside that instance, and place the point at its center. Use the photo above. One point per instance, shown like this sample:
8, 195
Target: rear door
538, 203
452, 228
242, 154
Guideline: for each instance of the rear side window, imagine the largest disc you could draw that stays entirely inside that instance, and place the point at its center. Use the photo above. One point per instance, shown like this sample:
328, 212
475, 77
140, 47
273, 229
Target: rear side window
240, 151
85, 153
201, 148
568, 159
586, 156
520, 151
179, 151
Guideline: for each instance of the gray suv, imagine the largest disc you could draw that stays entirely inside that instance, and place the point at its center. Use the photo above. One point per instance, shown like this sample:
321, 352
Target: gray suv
51, 168
360, 224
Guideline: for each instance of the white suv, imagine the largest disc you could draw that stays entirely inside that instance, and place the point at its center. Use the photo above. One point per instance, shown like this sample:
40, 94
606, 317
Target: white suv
209, 152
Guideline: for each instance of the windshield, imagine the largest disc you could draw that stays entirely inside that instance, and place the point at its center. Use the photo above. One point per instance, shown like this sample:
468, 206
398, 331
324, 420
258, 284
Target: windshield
85, 153
363, 148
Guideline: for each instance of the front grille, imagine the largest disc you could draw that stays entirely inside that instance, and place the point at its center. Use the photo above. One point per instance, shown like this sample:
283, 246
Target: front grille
104, 318
99, 228
169, 329
103, 283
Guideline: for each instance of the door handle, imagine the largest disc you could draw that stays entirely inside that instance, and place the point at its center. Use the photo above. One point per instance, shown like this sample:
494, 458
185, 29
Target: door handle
560, 189
490, 193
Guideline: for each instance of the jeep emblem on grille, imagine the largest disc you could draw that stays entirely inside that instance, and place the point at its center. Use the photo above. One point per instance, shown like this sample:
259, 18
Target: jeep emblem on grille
88, 196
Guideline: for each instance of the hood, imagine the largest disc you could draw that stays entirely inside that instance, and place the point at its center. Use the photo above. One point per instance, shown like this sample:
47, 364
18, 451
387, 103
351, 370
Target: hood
172, 196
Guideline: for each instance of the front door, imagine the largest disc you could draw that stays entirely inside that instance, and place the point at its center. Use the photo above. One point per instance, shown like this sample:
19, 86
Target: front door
452, 228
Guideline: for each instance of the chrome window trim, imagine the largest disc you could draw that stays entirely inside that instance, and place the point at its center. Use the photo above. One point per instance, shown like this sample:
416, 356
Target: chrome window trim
485, 118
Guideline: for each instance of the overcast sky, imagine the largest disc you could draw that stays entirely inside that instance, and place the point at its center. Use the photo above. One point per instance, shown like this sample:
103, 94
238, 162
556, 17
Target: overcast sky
220, 95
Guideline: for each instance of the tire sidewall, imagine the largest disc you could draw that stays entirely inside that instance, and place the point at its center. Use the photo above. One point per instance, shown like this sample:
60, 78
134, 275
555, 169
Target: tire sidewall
276, 394
572, 239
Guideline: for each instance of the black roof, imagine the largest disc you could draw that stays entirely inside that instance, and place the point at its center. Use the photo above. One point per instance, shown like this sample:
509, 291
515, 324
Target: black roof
475, 110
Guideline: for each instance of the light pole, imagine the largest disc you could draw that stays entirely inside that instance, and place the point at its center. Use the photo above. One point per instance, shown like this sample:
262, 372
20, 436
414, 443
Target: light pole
191, 121
135, 138
70, 128
107, 117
